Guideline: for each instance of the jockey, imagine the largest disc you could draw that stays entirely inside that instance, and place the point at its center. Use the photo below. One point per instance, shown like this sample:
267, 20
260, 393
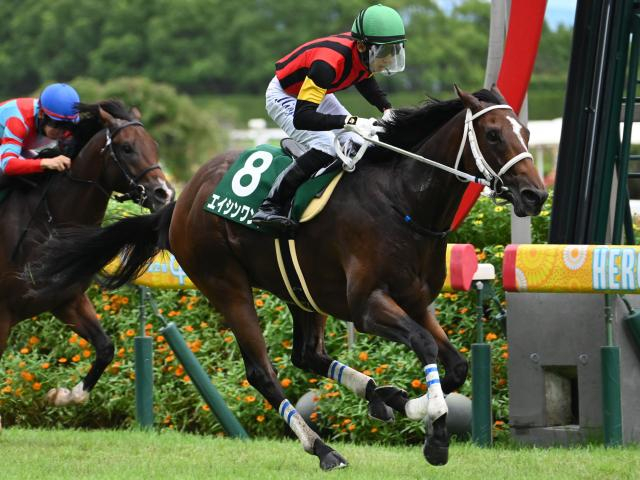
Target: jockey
300, 97
31, 123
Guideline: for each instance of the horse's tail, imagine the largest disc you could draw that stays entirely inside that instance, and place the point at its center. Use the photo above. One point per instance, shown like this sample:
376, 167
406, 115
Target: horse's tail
74, 255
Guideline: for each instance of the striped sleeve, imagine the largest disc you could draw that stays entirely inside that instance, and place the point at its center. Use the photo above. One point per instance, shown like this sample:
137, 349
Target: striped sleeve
11, 160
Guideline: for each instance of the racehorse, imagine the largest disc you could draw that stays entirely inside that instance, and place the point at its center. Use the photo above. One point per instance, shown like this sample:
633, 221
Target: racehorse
374, 256
111, 151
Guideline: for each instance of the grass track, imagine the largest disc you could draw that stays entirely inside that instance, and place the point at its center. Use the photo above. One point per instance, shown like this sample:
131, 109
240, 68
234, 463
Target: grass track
68, 454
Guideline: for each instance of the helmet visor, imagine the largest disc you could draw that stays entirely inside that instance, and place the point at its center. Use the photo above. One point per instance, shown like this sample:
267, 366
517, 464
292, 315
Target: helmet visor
386, 59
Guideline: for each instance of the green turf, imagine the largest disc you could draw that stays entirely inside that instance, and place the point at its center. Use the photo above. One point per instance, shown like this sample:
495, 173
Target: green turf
68, 454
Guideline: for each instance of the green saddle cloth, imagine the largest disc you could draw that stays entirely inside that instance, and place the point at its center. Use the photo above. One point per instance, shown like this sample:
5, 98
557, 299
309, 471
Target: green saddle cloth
247, 183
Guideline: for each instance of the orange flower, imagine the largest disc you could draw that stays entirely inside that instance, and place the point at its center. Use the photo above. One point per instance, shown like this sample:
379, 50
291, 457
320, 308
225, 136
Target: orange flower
286, 343
285, 382
45, 365
73, 339
205, 407
499, 422
415, 383
86, 353
131, 332
28, 377
173, 313
313, 380
374, 429
121, 353
183, 299
204, 324
464, 350
314, 416
266, 405
36, 386
259, 303
34, 340
245, 383
351, 427
249, 399
490, 336
106, 308
22, 364
62, 360
363, 356
186, 379
260, 418
7, 389
169, 358
505, 355
328, 386
124, 300
228, 339
159, 338
179, 371
279, 308
461, 331
346, 421
24, 350
83, 343
75, 358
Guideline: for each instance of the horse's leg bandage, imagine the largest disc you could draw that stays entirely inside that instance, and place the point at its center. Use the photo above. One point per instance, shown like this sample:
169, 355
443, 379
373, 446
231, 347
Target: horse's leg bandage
431, 405
295, 421
350, 378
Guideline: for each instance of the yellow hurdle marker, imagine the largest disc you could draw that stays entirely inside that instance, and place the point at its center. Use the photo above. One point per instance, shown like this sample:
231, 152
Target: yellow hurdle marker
165, 272
572, 268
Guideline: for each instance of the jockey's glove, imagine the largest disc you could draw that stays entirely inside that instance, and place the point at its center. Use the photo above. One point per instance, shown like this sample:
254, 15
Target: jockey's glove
367, 127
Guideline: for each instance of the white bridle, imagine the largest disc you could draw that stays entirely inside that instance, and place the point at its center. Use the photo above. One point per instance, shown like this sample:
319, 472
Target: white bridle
491, 178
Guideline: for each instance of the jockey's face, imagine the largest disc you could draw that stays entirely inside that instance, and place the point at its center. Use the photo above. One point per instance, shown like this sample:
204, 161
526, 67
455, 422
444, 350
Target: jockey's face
55, 129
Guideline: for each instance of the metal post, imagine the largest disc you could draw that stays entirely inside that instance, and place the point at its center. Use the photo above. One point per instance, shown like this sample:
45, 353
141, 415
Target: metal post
611, 398
202, 382
481, 379
143, 347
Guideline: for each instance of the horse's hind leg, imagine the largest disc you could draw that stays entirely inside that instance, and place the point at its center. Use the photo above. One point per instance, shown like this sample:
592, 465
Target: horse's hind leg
454, 363
80, 315
233, 298
309, 354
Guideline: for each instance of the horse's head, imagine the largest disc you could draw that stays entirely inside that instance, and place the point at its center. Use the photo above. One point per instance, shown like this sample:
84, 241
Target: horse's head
499, 152
131, 160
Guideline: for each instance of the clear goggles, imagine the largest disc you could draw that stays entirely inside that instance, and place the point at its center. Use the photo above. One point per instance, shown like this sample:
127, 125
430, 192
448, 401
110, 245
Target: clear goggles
386, 59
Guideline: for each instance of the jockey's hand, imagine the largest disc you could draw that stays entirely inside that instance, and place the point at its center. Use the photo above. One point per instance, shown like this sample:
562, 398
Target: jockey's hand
58, 163
387, 116
367, 127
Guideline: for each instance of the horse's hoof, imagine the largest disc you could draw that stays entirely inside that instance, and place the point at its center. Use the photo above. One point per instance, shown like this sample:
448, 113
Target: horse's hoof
381, 411
329, 458
436, 444
394, 397
59, 397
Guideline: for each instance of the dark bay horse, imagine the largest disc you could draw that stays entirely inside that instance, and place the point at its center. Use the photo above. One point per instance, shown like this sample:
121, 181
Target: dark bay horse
374, 256
111, 151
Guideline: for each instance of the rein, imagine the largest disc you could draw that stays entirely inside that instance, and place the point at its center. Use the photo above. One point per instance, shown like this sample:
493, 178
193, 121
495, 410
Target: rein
491, 178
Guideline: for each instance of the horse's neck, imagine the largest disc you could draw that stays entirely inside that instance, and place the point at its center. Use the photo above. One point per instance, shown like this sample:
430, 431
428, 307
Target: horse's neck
433, 195
77, 198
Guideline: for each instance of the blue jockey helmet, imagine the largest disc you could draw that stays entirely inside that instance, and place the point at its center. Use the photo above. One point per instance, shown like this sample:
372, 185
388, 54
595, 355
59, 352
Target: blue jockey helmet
58, 102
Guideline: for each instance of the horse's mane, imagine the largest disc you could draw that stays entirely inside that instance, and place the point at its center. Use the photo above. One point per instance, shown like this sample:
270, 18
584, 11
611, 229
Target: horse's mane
413, 125
90, 122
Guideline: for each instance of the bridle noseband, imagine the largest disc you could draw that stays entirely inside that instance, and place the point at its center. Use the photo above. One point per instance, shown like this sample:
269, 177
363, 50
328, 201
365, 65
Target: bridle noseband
136, 192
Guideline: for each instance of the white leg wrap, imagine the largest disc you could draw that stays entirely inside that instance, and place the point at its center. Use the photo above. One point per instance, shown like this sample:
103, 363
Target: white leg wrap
432, 404
436, 406
350, 378
79, 395
304, 433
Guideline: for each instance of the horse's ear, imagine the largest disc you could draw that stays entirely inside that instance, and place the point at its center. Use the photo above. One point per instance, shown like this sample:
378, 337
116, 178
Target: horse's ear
105, 117
496, 91
135, 113
468, 100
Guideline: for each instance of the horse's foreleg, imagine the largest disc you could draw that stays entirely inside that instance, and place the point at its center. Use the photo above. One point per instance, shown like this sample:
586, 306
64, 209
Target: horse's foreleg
454, 363
80, 315
379, 314
309, 354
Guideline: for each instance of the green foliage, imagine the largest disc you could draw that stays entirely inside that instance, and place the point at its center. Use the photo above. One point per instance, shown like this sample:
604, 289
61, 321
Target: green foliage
188, 136
213, 47
41, 355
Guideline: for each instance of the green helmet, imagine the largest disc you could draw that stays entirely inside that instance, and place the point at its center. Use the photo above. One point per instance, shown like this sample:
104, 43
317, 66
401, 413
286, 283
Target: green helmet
378, 25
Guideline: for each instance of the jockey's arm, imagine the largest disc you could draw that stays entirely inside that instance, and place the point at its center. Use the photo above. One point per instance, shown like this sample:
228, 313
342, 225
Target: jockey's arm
373, 94
313, 90
11, 160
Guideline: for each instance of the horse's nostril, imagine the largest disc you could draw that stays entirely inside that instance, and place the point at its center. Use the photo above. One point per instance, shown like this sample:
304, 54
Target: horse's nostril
161, 194
533, 197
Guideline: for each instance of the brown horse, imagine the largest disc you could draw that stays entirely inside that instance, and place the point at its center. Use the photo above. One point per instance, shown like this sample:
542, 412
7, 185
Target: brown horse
111, 152
375, 256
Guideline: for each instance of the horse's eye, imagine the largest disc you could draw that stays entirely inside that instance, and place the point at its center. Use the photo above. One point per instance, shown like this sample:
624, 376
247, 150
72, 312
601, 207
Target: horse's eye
493, 136
126, 148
